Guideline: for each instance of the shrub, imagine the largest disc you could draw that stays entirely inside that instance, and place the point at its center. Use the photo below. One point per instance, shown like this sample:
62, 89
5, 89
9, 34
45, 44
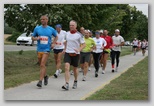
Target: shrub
8, 30
14, 36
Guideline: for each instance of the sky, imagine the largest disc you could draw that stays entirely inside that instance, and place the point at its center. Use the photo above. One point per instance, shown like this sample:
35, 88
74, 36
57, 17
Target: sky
141, 7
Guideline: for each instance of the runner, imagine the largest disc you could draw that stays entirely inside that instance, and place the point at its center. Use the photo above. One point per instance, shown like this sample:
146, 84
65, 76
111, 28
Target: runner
44, 37
143, 46
135, 45
58, 49
73, 41
118, 41
85, 53
100, 44
106, 50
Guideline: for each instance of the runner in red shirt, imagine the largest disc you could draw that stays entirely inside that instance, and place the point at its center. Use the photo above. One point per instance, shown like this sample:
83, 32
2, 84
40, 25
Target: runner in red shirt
106, 50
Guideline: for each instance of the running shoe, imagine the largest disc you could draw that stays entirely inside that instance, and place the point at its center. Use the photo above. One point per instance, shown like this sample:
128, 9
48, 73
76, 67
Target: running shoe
72, 72
60, 71
103, 72
112, 70
39, 84
46, 80
89, 69
56, 74
116, 70
66, 86
81, 70
75, 85
96, 74
84, 78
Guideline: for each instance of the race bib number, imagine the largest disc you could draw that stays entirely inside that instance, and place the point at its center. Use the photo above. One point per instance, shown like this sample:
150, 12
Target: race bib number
43, 40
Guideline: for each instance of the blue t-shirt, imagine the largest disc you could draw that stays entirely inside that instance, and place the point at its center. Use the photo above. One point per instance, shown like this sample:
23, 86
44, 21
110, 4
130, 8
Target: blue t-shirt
45, 34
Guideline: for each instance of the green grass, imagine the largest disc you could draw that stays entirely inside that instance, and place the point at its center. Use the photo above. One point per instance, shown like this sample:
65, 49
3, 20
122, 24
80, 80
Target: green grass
131, 85
126, 50
19, 69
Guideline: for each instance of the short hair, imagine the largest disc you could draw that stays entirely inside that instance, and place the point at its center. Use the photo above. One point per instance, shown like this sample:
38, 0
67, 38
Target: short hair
45, 16
74, 21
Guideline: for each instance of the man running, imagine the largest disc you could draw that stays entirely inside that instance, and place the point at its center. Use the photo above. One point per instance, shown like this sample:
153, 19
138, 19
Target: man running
118, 41
58, 49
106, 50
73, 41
85, 53
100, 44
43, 35
135, 45
143, 46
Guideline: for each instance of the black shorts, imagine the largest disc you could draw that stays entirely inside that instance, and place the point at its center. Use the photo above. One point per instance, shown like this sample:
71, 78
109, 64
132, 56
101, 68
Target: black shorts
84, 57
134, 46
73, 60
56, 51
143, 48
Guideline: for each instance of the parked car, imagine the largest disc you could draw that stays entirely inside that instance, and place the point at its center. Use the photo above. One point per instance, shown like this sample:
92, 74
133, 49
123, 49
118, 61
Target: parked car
127, 43
25, 40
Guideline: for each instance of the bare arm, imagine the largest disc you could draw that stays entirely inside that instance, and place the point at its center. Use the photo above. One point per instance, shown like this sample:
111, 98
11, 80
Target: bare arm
54, 42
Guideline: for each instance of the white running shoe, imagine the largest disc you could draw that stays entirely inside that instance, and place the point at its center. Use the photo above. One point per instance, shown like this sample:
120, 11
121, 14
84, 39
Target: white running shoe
116, 70
60, 70
89, 69
56, 74
71, 72
84, 78
103, 72
80, 70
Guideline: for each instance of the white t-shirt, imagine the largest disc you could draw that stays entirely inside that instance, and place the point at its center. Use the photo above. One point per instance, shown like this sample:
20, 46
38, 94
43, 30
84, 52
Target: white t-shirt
61, 40
100, 42
144, 44
135, 42
117, 40
73, 42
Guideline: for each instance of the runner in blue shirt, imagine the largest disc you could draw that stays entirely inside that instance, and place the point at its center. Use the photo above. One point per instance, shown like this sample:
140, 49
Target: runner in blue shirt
43, 35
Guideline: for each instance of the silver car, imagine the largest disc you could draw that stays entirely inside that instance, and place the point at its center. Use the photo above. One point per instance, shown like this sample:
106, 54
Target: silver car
25, 40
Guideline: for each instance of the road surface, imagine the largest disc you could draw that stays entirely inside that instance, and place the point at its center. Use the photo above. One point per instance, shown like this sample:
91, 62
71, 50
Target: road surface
53, 90
18, 48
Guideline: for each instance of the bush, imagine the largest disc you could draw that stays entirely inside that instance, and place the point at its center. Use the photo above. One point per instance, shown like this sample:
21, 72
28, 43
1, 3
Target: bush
8, 30
14, 36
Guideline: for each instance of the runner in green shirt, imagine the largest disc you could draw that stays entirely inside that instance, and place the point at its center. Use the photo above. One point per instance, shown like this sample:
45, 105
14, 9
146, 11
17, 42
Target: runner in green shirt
85, 53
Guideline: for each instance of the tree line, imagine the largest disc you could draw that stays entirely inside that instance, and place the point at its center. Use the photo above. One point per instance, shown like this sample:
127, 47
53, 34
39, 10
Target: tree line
131, 22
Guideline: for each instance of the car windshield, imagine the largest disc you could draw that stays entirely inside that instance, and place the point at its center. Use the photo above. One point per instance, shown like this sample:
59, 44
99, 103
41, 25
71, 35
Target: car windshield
24, 35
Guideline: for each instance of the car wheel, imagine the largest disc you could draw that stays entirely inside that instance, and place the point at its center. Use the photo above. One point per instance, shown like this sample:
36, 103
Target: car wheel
25, 44
18, 44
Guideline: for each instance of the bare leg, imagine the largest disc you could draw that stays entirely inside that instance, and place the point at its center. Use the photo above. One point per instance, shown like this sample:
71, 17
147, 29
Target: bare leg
67, 74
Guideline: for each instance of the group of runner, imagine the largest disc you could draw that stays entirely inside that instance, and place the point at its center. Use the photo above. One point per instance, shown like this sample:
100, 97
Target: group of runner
75, 46
138, 44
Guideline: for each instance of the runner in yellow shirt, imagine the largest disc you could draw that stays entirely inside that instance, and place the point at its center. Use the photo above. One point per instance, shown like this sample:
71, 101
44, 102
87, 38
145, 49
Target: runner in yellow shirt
85, 53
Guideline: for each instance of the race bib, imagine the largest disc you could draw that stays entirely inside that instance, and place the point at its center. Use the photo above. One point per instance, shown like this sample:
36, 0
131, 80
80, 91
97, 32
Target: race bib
43, 40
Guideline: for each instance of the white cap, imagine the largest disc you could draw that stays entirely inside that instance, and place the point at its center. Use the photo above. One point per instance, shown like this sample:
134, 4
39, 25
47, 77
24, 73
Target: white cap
101, 31
117, 30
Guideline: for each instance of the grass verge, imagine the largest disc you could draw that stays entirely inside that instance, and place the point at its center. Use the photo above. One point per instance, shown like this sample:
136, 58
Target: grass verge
131, 85
21, 68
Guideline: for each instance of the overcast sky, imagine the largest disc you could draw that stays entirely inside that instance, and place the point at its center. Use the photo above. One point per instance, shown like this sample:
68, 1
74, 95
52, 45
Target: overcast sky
141, 7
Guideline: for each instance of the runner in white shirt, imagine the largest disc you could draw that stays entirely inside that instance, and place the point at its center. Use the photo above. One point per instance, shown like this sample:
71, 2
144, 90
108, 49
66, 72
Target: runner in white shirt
135, 45
73, 41
100, 44
143, 46
118, 41
58, 49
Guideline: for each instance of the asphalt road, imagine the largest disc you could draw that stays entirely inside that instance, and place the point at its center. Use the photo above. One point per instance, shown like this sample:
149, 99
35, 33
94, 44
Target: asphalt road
18, 48
53, 90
